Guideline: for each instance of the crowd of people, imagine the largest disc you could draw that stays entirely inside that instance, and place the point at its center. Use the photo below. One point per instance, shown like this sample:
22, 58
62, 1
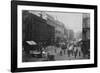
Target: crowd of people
69, 48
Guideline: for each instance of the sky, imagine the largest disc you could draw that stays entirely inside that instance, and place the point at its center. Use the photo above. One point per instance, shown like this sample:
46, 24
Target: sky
71, 20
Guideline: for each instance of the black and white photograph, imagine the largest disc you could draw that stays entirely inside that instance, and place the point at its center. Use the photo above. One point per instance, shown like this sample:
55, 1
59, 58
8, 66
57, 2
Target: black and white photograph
53, 36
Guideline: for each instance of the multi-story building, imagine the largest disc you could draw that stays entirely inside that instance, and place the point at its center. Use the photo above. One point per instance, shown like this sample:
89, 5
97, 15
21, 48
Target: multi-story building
70, 34
86, 26
59, 27
40, 26
36, 28
86, 35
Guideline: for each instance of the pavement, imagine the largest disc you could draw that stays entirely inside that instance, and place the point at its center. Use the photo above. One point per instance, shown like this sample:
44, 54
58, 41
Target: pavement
66, 57
63, 56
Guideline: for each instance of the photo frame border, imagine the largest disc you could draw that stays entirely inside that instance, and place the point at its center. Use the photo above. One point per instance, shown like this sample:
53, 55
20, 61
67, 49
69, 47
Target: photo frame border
14, 42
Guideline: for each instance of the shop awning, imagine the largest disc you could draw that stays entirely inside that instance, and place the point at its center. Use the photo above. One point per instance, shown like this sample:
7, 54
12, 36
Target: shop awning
31, 42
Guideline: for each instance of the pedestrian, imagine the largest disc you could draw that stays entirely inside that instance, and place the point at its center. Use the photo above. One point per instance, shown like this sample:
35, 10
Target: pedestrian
70, 50
59, 50
75, 51
64, 49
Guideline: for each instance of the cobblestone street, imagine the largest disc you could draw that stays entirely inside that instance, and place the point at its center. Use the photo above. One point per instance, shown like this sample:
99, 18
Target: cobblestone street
63, 56
66, 57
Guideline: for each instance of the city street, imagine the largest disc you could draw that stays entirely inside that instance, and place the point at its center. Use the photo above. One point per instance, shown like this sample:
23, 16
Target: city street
66, 57
55, 35
29, 58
